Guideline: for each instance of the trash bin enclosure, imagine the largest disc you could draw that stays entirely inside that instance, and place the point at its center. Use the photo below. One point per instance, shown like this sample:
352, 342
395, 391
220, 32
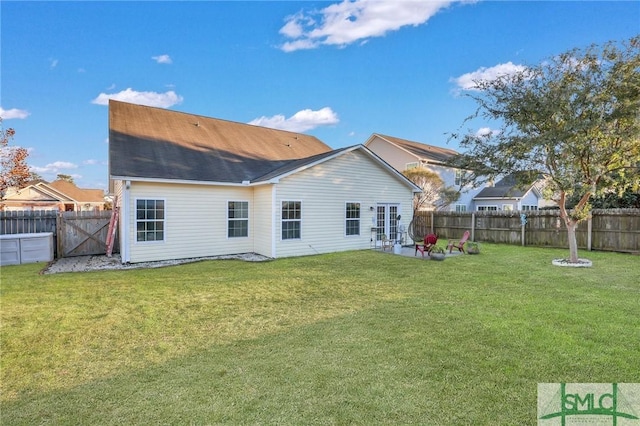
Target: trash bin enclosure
26, 248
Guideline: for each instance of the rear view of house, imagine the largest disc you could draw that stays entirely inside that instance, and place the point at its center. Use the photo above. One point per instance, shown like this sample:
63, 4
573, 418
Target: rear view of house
194, 186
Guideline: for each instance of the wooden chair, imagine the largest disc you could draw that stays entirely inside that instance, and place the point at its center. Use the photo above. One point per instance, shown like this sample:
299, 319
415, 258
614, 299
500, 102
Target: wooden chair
386, 242
460, 244
427, 244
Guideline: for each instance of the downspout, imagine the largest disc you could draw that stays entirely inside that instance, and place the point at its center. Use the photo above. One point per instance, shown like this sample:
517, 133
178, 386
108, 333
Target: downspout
125, 252
274, 211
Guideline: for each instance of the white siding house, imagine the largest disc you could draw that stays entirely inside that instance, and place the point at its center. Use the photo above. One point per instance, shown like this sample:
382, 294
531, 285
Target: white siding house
403, 154
507, 196
192, 195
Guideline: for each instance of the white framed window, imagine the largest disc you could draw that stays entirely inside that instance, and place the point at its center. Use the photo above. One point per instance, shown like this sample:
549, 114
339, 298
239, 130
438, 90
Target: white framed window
528, 207
411, 165
291, 220
150, 220
507, 207
487, 208
461, 208
237, 219
459, 177
352, 219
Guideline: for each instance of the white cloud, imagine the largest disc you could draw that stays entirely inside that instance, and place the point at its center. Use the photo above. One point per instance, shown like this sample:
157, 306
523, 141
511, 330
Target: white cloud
53, 63
351, 21
8, 114
486, 131
162, 59
155, 99
301, 121
90, 162
469, 80
55, 167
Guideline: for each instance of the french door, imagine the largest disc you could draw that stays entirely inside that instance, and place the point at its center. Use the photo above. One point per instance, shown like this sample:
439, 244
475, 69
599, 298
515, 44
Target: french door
386, 221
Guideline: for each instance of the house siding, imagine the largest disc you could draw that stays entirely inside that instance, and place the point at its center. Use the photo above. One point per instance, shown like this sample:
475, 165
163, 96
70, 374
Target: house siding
263, 220
195, 221
323, 191
396, 157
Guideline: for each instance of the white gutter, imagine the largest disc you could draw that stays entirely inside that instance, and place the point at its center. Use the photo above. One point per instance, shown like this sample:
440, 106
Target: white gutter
187, 182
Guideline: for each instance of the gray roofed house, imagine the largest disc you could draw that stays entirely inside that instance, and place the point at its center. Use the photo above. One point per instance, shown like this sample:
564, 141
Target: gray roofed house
193, 186
507, 195
154, 143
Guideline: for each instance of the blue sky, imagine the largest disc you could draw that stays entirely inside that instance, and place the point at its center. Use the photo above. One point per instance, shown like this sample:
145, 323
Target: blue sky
339, 70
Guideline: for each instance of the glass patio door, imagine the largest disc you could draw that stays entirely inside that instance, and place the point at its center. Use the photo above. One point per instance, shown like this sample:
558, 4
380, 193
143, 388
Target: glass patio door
386, 221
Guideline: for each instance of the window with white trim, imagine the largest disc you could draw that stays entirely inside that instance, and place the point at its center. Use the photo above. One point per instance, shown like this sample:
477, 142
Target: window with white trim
238, 219
291, 220
352, 219
409, 166
487, 208
528, 207
459, 177
507, 207
149, 220
461, 208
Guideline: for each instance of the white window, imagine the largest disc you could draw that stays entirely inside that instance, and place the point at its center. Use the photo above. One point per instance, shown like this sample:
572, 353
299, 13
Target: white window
487, 208
507, 207
352, 219
459, 177
291, 220
149, 220
461, 208
238, 219
411, 165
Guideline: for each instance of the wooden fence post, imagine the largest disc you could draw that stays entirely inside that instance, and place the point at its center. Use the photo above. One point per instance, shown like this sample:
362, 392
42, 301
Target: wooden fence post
59, 235
589, 232
432, 231
473, 226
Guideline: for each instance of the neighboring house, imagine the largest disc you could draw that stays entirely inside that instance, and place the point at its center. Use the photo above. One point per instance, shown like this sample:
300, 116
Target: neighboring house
59, 195
507, 196
193, 186
403, 154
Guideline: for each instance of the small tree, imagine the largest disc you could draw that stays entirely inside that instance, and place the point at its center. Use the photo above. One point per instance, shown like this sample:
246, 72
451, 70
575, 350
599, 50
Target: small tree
434, 194
573, 119
14, 171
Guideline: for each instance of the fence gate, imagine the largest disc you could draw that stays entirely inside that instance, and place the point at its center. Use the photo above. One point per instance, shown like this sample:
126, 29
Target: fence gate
82, 233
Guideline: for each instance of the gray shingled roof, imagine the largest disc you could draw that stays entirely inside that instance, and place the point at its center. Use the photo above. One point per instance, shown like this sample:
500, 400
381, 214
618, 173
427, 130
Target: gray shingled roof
155, 143
424, 151
505, 188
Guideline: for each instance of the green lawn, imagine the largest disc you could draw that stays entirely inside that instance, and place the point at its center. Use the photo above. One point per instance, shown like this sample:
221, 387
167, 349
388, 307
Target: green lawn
350, 338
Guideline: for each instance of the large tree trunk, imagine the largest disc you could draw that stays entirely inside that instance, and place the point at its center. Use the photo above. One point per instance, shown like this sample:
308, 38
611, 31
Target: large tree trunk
571, 224
573, 242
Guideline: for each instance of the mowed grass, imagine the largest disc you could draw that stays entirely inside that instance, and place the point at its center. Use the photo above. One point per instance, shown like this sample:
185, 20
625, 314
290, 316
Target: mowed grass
348, 338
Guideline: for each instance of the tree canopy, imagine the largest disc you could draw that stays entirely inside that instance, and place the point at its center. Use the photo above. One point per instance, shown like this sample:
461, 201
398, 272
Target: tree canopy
434, 194
573, 119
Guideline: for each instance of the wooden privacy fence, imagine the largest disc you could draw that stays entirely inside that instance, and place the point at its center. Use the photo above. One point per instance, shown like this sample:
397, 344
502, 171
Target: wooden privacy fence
609, 230
74, 233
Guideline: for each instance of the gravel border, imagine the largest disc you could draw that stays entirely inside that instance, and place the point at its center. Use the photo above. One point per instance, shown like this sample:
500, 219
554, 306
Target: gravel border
104, 263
